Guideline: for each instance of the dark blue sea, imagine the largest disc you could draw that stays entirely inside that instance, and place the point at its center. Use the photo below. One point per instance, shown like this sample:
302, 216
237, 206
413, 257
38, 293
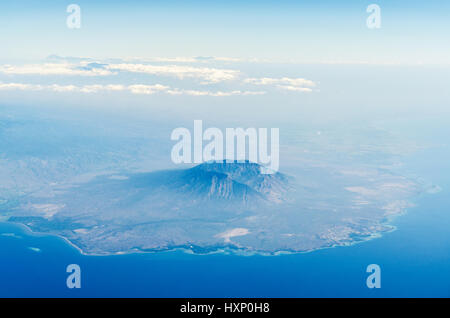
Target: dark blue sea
414, 261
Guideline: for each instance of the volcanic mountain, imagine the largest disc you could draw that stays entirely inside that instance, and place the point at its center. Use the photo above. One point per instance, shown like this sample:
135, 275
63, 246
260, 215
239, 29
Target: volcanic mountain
163, 209
233, 182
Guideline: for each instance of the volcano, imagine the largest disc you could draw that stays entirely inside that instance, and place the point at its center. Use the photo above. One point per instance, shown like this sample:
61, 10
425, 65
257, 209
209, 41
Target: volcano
232, 182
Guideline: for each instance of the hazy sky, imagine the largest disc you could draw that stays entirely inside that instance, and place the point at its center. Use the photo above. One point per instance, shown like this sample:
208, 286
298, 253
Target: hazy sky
307, 31
287, 60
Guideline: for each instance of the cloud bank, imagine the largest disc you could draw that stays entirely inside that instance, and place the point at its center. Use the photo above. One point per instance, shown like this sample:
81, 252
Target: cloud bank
286, 83
167, 69
141, 89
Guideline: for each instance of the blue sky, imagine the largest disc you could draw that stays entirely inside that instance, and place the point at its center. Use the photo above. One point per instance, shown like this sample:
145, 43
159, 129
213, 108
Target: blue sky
412, 32
315, 58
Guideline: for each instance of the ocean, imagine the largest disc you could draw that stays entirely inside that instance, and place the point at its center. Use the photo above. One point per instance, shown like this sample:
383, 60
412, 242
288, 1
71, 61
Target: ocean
414, 261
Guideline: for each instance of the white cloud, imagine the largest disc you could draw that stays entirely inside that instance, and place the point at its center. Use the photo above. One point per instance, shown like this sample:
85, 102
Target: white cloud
294, 88
9, 86
216, 94
147, 89
184, 59
62, 88
85, 68
208, 75
54, 69
204, 75
133, 89
286, 83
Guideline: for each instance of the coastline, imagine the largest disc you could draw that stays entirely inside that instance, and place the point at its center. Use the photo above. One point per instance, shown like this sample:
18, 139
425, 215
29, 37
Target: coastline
386, 222
226, 251
300, 274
